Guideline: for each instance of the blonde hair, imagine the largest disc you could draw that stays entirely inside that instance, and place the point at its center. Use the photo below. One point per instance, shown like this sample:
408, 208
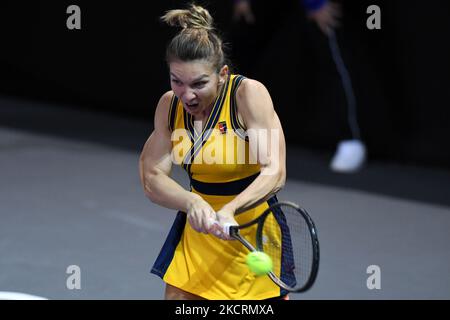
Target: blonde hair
197, 40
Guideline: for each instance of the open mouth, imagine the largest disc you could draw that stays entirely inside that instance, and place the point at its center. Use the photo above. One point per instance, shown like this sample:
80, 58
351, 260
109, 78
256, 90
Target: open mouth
192, 106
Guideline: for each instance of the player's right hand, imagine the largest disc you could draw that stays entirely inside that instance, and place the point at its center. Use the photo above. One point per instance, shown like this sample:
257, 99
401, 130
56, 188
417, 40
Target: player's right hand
200, 214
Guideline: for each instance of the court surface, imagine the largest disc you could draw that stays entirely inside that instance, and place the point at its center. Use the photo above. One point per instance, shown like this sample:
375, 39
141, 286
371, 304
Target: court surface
70, 195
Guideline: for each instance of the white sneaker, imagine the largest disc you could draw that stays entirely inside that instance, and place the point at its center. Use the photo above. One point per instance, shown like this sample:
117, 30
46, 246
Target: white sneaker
349, 157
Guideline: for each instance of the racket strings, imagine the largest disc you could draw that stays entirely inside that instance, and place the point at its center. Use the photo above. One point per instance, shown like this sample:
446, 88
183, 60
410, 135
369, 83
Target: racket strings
287, 240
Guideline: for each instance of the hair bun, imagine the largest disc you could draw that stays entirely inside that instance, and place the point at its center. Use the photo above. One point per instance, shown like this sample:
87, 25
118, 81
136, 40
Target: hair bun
195, 17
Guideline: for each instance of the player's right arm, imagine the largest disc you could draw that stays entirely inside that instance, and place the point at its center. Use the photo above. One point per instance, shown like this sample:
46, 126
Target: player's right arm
155, 164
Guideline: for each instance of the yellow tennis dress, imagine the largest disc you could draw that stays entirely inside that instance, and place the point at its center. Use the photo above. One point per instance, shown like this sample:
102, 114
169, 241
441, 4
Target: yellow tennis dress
220, 167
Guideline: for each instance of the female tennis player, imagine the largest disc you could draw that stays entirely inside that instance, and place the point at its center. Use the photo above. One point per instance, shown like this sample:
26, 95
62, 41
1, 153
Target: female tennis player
208, 123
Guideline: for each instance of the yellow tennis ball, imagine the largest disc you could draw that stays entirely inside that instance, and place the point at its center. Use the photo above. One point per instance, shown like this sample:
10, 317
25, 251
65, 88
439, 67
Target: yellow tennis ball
259, 263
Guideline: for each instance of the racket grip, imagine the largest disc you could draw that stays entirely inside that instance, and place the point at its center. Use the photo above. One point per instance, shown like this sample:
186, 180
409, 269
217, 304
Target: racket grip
226, 228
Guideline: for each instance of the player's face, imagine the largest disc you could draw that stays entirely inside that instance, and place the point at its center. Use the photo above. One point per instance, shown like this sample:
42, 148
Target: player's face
196, 84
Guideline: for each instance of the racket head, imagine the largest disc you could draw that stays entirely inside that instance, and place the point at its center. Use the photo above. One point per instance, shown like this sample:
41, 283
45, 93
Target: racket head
287, 234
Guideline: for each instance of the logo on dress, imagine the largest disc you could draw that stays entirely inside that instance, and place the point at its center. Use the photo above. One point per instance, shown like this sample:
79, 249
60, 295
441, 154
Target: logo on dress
223, 127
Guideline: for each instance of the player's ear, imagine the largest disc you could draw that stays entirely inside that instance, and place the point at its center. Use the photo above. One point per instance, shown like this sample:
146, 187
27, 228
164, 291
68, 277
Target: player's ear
223, 73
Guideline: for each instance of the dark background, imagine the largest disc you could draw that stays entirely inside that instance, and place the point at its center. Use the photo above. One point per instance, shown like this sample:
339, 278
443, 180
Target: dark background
115, 63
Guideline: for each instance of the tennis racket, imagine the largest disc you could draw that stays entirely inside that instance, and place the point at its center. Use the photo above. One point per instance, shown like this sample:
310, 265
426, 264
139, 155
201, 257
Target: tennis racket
286, 233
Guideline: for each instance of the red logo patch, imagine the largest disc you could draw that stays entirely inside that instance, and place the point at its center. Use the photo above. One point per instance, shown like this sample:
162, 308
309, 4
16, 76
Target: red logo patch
223, 127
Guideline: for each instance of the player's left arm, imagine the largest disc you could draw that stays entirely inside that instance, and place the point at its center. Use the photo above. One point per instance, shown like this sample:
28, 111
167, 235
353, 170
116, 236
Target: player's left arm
256, 109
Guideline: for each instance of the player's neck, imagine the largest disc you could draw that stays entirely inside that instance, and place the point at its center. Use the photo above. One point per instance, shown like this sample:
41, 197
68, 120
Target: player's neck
204, 115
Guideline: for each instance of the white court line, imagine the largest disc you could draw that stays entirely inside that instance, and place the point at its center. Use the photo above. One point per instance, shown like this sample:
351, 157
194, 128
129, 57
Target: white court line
7, 295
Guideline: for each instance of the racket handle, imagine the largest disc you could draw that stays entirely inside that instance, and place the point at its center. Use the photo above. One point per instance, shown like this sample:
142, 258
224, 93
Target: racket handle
226, 228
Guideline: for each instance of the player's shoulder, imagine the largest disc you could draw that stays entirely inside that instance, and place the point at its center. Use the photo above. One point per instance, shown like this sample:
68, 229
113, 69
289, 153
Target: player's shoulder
254, 103
166, 99
249, 87
162, 109
164, 102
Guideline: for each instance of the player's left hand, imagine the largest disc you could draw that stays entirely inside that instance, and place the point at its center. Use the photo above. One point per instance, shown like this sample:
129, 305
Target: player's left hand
223, 216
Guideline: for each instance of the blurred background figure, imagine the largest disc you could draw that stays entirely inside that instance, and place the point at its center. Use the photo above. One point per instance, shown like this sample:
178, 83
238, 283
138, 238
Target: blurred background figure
323, 12
351, 151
